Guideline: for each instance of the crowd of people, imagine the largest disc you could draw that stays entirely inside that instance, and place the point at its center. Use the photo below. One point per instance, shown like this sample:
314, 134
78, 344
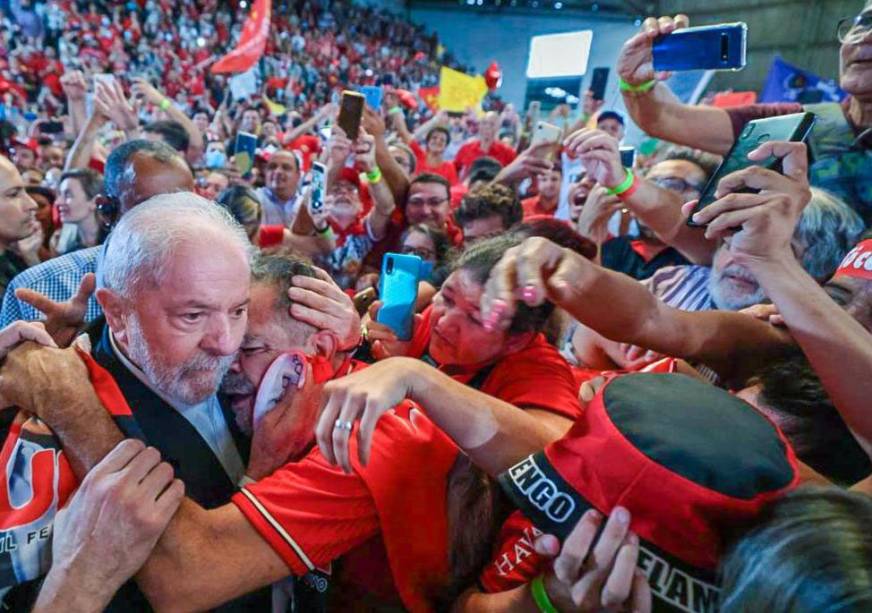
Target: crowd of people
599, 407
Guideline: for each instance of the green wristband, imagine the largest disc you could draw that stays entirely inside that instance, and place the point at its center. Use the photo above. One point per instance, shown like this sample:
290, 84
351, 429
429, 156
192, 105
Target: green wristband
375, 176
165, 104
624, 186
540, 596
647, 86
326, 232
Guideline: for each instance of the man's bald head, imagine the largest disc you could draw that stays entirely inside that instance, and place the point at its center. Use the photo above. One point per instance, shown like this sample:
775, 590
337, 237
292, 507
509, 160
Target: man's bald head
139, 169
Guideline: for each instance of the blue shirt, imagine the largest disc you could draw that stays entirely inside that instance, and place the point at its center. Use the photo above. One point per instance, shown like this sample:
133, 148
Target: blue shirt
58, 279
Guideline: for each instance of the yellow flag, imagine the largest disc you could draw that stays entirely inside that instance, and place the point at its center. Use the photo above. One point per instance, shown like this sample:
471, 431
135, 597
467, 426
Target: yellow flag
275, 108
459, 91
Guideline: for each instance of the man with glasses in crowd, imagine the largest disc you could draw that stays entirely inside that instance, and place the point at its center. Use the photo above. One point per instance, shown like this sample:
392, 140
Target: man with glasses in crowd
429, 203
840, 143
683, 172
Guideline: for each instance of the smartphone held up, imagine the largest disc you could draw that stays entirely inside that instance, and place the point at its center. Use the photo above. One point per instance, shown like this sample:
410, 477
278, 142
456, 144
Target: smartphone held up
717, 47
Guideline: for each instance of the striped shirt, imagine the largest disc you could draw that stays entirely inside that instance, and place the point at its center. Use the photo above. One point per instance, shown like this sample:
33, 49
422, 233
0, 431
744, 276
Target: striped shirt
683, 287
57, 279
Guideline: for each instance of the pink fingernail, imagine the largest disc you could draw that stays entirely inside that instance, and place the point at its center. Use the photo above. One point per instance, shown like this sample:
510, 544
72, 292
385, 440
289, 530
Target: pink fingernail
622, 515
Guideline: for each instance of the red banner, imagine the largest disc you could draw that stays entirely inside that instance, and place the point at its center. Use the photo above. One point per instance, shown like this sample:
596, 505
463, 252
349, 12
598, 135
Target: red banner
252, 41
430, 96
726, 100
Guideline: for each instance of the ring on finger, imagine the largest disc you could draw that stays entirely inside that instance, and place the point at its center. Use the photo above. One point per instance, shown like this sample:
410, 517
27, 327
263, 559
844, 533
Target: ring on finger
342, 425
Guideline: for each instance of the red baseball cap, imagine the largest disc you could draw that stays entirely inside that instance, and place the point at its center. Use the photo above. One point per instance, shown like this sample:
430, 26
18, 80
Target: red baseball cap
692, 463
858, 262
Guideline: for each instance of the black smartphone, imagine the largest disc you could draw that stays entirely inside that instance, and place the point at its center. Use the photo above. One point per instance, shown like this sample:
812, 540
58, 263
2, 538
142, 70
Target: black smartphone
628, 156
598, 82
350, 113
719, 47
52, 127
793, 128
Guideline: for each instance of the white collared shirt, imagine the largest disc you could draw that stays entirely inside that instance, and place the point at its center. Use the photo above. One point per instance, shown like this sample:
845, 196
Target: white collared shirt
206, 417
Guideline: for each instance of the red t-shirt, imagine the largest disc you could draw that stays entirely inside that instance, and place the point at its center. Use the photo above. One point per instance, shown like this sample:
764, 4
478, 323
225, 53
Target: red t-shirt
472, 151
271, 236
533, 209
536, 377
445, 169
311, 512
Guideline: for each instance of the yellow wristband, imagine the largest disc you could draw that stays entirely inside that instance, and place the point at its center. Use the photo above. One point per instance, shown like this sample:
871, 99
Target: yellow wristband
540, 596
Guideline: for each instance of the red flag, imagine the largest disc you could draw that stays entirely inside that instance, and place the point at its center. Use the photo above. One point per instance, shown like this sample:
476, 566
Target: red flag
726, 100
252, 41
430, 96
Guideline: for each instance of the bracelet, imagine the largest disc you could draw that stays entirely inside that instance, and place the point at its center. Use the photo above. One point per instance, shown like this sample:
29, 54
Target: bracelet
540, 596
326, 232
395, 109
164, 104
647, 86
374, 176
624, 186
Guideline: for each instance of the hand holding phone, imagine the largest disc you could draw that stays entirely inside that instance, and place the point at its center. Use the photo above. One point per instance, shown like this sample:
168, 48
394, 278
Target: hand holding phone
790, 128
635, 64
546, 134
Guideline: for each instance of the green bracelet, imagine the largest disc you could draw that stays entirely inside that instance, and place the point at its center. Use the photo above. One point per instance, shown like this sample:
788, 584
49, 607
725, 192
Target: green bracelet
374, 176
624, 186
395, 109
327, 232
540, 596
165, 104
647, 86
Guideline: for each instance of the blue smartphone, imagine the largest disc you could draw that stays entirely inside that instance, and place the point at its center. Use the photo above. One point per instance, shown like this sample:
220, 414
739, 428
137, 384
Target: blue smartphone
719, 47
373, 95
243, 152
398, 291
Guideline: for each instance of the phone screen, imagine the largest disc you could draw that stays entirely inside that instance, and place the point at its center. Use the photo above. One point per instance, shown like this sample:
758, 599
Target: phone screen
350, 113
244, 151
319, 174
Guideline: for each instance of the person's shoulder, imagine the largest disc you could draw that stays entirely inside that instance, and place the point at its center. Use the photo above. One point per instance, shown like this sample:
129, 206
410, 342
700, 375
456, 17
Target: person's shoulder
81, 261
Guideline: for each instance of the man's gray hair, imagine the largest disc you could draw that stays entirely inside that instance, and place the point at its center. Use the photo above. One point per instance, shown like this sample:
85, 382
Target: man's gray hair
827, 230
146, 239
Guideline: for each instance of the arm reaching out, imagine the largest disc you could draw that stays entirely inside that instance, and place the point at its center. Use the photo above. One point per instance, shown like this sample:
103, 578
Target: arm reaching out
820, 326
657, 111
621, 309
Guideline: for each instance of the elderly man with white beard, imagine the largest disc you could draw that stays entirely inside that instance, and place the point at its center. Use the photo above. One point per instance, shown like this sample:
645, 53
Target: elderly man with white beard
175, 297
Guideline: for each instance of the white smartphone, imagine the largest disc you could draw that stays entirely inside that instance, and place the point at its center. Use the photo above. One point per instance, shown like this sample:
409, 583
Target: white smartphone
108, 80
319, 185
545, 133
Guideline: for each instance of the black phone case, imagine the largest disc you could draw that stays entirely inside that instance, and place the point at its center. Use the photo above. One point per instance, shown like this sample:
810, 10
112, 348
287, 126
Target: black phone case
598, 82
793, 128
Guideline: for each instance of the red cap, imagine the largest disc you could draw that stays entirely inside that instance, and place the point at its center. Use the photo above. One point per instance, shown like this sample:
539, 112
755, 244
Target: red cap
691, 463
858, 262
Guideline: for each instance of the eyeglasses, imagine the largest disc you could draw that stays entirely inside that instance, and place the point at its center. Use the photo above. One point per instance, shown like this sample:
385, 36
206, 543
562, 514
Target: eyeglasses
430, 202
676, 184
854, 29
